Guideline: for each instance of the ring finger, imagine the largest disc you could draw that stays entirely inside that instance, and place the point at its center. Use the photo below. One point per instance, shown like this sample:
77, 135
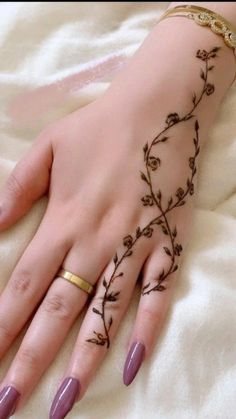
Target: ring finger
100, 325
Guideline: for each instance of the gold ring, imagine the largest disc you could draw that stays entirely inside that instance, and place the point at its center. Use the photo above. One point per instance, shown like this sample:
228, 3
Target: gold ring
74, 279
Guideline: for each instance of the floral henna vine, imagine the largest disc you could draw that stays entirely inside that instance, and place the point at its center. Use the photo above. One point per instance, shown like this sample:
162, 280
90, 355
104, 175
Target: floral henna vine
154, 198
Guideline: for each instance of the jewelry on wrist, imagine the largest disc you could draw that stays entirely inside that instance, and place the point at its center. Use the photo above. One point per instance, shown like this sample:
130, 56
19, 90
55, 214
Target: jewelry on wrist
206, 17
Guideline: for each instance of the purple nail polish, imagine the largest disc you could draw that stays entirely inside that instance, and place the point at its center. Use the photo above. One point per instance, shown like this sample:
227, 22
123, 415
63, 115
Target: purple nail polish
65, 398
8, 398
133, 362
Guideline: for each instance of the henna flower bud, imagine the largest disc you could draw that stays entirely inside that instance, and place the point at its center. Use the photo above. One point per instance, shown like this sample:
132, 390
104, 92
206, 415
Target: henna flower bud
210, 89
202, 54
172, 118
191, 189
128, 241
180, 193
154, 162
178, 249
148, 231
191, 162
147, 200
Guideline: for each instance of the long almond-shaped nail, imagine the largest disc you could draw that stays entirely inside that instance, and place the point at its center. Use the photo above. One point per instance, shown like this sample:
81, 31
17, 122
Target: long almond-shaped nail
133, 362
65, 398
8, 399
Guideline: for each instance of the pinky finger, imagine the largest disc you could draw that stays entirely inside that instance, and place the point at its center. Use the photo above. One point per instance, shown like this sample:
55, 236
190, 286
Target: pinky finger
151, 315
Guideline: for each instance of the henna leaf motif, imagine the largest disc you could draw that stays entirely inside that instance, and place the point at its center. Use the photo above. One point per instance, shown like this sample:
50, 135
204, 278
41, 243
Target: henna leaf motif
129, 253
93, 340
174, 232
168, 252
145, 149
157, 140
191, 189
215, 49
113, 296
202, 75
96, 311
144, 177
170, 200
158, 222
138, 232
161, 274
164, 229
159, 195
161, 288
178, 249
180, 204
146, 286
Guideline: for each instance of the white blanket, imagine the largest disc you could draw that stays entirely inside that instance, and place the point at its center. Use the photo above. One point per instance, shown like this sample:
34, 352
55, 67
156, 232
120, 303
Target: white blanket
56, 57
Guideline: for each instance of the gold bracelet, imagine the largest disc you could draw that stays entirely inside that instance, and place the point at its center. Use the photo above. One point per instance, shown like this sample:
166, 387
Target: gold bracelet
206, 17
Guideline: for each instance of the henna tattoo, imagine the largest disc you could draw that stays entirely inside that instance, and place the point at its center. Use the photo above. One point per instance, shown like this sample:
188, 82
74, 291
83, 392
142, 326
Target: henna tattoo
152, 198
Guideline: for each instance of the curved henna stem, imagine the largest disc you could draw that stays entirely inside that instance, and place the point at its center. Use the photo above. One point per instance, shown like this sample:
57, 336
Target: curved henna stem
173, 119
152, 164
167, 229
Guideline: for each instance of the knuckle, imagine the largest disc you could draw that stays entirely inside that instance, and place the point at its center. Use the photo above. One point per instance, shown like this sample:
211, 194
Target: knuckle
28, 358
14, 186
151, 313
21, 281
113, 302
57, 305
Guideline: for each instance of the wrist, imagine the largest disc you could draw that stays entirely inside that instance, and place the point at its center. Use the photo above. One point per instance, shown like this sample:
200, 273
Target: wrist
163, 74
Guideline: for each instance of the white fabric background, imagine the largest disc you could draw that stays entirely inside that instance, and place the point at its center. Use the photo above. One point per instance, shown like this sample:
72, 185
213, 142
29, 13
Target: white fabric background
192, 372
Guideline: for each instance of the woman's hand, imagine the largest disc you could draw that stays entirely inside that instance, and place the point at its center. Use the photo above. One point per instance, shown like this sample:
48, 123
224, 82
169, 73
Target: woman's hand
121, 177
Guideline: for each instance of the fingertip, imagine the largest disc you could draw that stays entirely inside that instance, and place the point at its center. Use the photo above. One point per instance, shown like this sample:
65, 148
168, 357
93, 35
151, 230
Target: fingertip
65, 398
133, 362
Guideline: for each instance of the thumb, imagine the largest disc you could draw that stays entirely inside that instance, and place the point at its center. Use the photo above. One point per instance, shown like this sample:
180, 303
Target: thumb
28, 181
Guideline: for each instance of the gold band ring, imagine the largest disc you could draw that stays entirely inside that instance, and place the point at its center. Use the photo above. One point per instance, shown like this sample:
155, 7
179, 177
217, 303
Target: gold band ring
74, 279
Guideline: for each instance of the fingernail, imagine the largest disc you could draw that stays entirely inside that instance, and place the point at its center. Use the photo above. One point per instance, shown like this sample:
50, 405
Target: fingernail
133, 362
65, 398
8, 398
